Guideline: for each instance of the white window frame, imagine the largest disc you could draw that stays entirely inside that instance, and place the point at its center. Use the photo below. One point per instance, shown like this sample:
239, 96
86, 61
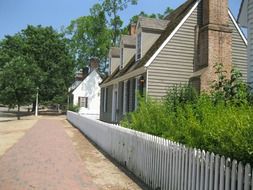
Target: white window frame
115, 102
121, 58
138, 46
124, 97
136, 91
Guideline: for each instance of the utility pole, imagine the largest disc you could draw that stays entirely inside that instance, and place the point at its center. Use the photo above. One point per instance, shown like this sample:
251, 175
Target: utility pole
37, 101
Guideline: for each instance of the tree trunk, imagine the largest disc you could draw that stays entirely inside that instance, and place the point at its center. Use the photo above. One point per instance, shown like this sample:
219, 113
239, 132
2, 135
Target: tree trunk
33, 107
18, 112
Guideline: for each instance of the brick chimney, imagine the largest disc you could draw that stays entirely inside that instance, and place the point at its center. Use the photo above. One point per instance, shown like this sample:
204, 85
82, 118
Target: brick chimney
132, 29
94, 64
215, 42
85, 72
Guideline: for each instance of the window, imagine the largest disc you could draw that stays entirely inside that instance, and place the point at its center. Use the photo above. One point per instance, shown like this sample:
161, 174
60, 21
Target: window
121, 58
138, 47
83, 102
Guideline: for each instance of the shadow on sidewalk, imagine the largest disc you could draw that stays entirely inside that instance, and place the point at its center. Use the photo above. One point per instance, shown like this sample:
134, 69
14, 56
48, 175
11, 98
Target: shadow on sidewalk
141, 184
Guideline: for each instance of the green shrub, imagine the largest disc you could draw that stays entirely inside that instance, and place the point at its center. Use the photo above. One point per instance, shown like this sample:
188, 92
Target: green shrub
74, 108
219, 122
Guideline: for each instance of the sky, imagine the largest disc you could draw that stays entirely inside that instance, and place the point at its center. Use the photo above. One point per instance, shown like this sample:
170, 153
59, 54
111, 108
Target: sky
15, 15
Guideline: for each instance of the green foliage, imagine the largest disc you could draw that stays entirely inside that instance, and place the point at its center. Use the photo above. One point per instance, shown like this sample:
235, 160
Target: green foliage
230, 90
17, 82
112, 8
179, 95
48, 50
223, 127
73, 108
89, 37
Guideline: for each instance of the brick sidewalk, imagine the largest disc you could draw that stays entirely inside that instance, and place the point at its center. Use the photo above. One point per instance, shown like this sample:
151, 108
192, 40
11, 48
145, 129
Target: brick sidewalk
44, 159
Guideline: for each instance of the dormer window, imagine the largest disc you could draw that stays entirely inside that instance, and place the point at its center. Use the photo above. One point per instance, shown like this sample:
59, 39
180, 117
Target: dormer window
121, 58
138, 47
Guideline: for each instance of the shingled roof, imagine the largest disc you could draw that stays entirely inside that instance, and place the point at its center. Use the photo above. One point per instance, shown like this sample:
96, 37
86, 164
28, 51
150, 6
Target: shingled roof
115, 52
128, 40
173, 20
152, 23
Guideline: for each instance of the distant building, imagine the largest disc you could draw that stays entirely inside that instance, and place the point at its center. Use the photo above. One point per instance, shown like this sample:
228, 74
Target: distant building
85, 91
182, 48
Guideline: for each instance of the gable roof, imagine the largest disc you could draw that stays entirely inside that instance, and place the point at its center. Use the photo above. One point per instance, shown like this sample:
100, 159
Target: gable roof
152, 23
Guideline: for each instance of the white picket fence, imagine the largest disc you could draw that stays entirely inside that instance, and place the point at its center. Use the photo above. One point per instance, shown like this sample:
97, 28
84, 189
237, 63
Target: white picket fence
162, 164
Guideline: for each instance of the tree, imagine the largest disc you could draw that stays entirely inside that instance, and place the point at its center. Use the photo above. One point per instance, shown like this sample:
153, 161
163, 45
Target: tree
89, 37
48, 50
17, 82
112, 8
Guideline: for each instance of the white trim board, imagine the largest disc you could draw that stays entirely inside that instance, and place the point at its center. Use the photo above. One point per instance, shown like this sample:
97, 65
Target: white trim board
172, 34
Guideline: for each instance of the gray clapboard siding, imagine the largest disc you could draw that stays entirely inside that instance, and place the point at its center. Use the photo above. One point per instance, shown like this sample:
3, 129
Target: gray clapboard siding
174, 64
239, 51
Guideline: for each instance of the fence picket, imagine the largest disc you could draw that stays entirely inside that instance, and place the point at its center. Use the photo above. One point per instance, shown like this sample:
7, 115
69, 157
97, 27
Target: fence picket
207, 170
202, 170
240, 176
182, 168
247, 177
163, 164
233, 175
252, 180
194, 155
211, 176
227, 175
167, 174
186, 166
198, 169
222, 173
216, 172
190, 169
171, 166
